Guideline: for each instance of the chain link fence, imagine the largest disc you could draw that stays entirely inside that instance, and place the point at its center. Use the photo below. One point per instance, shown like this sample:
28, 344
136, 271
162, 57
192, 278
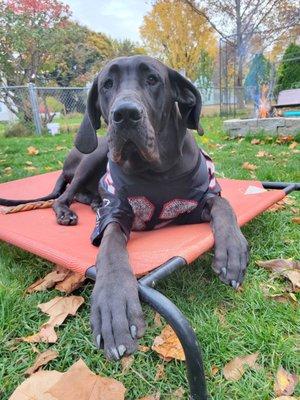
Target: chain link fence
43, 109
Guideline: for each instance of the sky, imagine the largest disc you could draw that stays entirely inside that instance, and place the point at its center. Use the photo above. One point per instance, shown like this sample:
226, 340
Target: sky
119, 19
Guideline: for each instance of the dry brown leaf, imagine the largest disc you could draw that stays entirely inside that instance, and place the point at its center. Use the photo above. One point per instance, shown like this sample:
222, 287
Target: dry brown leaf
214, 370
57, 275
36, 387
143, 348
126, 363
281, 204
296, 220
168, 345
160, 372
79, 382
262, 154
42, 359
178, 393
157, 320
32, 151
284, 139
248, 166
285, 382
234, 370
58, 309
293, 145
286, 398
255, 141
288, 268
73, 281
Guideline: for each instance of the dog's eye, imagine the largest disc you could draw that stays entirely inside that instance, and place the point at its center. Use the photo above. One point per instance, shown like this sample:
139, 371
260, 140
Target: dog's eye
152, 80
108, 84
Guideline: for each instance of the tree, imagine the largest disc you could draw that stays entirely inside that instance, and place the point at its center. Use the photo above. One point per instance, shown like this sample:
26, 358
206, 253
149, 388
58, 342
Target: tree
262, 20
125, 47
173, 33
29, 32
289, 68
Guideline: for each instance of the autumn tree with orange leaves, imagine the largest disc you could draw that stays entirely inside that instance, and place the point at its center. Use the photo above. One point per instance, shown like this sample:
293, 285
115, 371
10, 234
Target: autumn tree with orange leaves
184, 40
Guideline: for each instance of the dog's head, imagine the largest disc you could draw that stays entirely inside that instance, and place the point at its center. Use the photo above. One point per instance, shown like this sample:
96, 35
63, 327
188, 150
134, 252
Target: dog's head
138, 97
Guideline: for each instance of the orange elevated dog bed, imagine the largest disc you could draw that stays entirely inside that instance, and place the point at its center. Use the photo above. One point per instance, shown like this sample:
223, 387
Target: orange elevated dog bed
167, 248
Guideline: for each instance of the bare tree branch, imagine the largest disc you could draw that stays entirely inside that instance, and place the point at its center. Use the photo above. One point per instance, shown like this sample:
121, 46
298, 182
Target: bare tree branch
203, 14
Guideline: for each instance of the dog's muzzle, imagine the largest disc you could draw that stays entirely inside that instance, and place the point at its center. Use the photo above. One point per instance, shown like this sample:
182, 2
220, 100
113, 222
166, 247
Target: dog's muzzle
127, 114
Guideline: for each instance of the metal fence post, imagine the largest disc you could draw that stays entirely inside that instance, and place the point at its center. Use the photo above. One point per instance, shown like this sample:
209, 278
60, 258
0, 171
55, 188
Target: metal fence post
35, 108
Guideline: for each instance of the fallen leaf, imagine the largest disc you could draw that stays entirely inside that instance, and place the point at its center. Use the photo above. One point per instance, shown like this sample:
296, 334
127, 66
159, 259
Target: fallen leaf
286, 398
255, 141
7, 169
30, 168
168, 345
293, 145
248, 166
58, 309
42, 359
288, 268
160, 372
284, 139
284, 297
178, 393
32, 151
28, 162
285, 382
79, 382
281, 204
151, 397
157, 320
143, 348
48, 168
60, 148
35, 387
126, 363
234, 370
49, 281
46, 334
214, 370
296, 220
262, 154
73, 281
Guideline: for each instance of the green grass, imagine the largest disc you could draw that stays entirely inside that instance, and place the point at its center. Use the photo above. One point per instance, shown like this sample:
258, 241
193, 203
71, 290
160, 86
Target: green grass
227, 323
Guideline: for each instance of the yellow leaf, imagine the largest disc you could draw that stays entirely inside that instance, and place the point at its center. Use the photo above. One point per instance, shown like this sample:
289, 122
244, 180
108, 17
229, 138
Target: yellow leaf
285, 383
32, 151
248, 166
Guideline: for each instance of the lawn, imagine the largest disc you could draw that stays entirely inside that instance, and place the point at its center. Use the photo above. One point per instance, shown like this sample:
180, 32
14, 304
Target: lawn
227, 323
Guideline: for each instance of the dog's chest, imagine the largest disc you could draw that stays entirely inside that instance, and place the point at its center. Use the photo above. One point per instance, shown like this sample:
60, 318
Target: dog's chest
158, 203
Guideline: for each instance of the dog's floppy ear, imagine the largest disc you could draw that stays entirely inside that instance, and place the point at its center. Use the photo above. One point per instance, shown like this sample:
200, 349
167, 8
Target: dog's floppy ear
86, 140
188, 98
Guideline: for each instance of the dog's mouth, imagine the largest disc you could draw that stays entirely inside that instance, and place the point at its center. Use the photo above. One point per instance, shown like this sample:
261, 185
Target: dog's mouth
130, 151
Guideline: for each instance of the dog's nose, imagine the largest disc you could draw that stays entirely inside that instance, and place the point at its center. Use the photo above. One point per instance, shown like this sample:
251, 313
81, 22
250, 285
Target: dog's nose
127, 112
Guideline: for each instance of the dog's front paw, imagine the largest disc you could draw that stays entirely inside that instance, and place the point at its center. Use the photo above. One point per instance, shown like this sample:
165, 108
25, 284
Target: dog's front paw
231, 256
65, 216
116, 315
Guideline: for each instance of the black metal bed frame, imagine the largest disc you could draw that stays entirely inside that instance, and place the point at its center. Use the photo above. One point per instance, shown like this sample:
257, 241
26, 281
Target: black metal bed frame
175, 318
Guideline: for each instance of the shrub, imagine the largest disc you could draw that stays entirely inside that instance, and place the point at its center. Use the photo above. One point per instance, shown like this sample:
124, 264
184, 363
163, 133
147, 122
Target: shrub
19, 129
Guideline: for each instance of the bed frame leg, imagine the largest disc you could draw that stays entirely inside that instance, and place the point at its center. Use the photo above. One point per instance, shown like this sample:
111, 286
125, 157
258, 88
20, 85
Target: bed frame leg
186, 335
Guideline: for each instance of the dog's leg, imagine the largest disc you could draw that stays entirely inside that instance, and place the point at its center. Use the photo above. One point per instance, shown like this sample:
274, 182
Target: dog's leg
231, 249
116, 314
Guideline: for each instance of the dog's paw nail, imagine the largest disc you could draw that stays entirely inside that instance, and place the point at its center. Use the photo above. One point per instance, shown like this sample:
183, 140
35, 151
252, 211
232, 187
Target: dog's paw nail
121, 349
234, 284
98, 341
113, 353
224, 271
133, 331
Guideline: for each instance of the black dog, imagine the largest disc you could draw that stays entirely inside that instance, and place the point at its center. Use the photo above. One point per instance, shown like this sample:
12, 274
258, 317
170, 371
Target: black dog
156, 175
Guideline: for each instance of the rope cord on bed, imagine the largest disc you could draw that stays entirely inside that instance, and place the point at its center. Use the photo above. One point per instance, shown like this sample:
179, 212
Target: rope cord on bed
27, 207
